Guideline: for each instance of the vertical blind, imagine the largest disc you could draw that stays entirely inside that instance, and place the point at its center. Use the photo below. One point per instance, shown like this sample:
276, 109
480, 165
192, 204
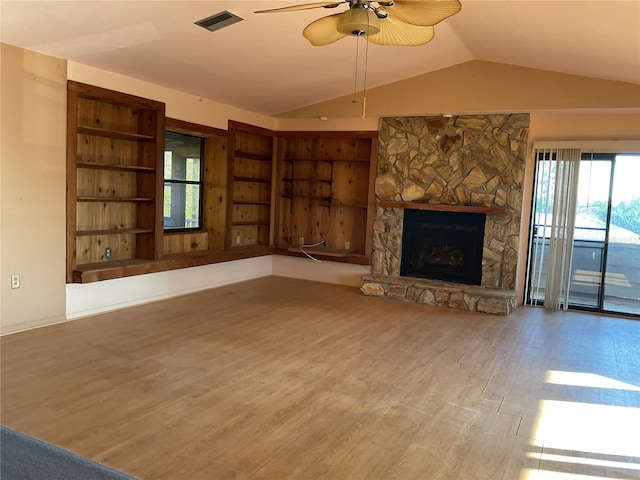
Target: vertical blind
555, 190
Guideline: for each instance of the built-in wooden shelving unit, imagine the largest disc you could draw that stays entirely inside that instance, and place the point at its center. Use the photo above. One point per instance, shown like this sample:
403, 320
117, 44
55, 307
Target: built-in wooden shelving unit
114, 196
324, 194
264, 192
250, 174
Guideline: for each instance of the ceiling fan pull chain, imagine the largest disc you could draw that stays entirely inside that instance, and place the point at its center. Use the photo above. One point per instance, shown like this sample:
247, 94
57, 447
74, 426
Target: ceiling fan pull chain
364, 86
355, 80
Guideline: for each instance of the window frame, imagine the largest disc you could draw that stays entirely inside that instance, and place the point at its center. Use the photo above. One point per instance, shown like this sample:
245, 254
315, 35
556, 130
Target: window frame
200, 183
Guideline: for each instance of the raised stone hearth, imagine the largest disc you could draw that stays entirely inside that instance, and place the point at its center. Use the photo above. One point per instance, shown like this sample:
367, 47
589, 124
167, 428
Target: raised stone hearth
471, 161
444, 294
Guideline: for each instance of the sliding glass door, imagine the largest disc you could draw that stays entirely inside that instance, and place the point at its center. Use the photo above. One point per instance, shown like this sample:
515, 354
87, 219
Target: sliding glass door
605, 265
622, 262
590, 237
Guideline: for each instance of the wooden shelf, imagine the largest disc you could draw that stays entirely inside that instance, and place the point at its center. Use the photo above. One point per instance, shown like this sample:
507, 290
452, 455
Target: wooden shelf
327, 160
105, 132
321, 250
330, 201
310, 180
338, 203
111, 269
119, 168
115, 199
252, 156
252, 179
251, 202
446, 208
249, 223
113, 231
306, 160
334, 255
313, 198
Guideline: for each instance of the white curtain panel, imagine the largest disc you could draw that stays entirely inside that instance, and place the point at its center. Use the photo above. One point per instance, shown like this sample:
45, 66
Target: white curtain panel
561, 231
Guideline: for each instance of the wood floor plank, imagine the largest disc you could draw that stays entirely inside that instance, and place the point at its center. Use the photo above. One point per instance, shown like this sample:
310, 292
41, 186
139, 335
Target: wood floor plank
278, 378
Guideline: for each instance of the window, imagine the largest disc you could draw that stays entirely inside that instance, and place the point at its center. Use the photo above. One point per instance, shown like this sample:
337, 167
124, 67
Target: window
182, 182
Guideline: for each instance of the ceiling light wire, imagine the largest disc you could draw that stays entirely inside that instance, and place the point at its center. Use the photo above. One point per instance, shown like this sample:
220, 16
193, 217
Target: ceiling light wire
355, 80
358, 34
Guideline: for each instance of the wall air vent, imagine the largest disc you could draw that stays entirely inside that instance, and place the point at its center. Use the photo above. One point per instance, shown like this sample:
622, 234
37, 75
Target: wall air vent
218, 21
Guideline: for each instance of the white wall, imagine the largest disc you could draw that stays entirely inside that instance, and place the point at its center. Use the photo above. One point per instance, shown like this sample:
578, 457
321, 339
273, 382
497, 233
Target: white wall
91, 298
33, 187
326, 272
178, 104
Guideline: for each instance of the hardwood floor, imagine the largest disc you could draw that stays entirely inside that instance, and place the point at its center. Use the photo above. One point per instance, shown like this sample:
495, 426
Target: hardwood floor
287, 379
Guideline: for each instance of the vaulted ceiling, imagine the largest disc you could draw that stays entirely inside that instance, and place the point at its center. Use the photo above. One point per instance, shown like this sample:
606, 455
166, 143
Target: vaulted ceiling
263, 64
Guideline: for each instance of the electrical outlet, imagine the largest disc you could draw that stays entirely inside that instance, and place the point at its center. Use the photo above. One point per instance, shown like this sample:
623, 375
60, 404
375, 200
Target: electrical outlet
347, 245
15, 280
238, 240
107, 253
301, 241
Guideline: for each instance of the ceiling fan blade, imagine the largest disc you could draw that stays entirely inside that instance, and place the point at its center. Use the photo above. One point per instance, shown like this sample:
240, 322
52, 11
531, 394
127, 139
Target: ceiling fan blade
423, 12
306, 6
395, 32
323, 31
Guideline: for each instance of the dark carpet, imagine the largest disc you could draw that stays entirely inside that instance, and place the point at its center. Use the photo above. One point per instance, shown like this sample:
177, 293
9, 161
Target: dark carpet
27, 458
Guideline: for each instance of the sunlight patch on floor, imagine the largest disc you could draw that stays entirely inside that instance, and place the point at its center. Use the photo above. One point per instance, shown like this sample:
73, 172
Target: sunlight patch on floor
588, 427
580, 440
531, 474
580, 379
596, 462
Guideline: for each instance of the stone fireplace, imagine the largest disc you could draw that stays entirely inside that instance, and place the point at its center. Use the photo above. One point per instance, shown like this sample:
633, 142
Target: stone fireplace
470, 165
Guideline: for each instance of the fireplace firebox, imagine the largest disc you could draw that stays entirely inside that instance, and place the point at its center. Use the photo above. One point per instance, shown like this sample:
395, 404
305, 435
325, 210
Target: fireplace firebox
443, 246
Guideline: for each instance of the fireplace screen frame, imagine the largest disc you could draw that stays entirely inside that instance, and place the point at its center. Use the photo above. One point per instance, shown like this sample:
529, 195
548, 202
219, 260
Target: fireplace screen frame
457, 226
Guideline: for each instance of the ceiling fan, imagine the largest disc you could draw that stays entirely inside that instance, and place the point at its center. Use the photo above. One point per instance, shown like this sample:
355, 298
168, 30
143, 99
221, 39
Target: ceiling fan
392, 22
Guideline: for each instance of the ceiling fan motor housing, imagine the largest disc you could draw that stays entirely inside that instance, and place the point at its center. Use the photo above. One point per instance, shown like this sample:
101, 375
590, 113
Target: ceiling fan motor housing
359, 21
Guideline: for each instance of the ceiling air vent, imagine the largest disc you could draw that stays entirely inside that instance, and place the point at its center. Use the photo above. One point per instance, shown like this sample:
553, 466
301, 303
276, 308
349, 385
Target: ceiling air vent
218, 21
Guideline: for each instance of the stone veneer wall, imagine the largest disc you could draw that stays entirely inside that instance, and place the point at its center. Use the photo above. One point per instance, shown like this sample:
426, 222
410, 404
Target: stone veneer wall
461, 160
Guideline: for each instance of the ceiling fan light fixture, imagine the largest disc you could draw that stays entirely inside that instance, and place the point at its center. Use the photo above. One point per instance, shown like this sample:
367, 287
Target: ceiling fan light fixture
359, 21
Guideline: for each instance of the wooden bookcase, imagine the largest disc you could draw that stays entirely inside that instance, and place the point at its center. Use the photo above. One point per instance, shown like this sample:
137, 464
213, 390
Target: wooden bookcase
250, 195
324, 191
264, 191
114, 194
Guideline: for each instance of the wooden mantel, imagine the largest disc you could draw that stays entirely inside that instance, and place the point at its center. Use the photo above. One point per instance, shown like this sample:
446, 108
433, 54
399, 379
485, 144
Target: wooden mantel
446, 208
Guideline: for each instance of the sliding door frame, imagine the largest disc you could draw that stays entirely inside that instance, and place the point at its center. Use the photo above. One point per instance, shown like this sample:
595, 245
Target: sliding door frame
599, 308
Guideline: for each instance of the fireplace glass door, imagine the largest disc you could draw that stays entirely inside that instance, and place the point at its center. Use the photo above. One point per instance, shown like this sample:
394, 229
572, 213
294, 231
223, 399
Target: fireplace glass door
443, 246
